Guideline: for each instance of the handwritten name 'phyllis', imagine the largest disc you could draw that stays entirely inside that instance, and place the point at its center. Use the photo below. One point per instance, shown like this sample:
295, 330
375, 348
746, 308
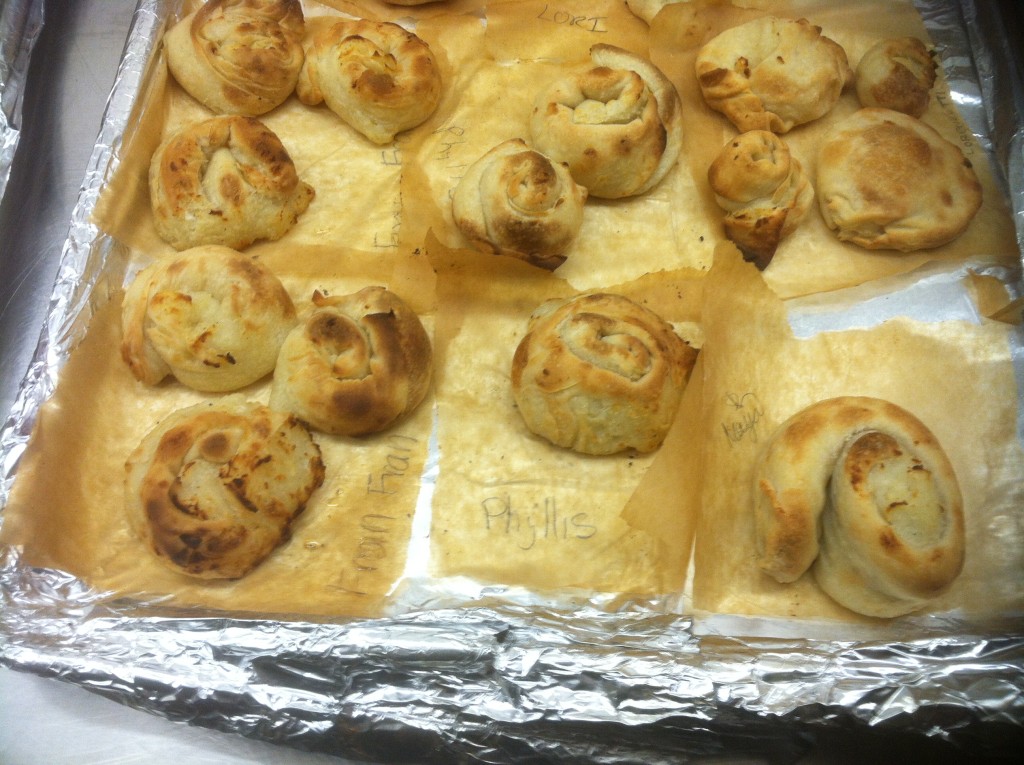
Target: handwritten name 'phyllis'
544, 522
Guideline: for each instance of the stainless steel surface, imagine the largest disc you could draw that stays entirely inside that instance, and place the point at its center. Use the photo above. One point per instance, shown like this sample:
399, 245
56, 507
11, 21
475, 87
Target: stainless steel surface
73, 67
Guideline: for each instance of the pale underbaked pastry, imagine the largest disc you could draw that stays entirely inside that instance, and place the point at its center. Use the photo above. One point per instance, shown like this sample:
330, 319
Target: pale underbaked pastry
214, 488
238, 56
886, 180
861, 492
210, 316
376, 76
515, 201
228, 180
600, 374
617, 124
898, 74
648, 9
764, 191
772, 73
356, 365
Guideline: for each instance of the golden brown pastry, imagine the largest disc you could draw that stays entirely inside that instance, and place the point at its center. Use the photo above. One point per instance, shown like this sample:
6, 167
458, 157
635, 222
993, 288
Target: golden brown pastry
515, 201
772, 73
897, 74
214, 488
379, 78
764, 191
889, 181
617, 124
356, 365
860, 490
600, 374
238, 56
228, 180
210, 316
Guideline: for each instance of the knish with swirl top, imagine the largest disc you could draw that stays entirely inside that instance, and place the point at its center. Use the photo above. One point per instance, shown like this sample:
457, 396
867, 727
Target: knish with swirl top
860, 492
355, 365
214, 488
617, 124
600, 374
238, 56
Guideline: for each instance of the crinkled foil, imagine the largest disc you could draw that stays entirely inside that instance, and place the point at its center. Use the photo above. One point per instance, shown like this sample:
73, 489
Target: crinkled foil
20, 23
511, 681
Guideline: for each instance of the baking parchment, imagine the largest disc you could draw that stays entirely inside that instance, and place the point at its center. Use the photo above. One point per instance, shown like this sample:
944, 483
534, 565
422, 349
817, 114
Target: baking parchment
500, 681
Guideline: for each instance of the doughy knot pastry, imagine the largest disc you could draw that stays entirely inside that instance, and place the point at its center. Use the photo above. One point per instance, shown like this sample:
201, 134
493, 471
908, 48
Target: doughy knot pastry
228, 180
772, 74
859, 490
214, 488
617, 125
378, 77
238, 56
515, 201
600, 374
897, 74
211, 317
889, 181
764, 191
356, 365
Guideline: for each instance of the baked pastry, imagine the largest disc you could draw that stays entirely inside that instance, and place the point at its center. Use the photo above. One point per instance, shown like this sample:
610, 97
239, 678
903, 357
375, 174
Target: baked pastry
859, 490
772, 73
356, 365
515, 201
214, 488
210, 316
238, 56
228, 180
617, 124
600, 374
378, 77
889, 181
897, 74
763, 190
648, 9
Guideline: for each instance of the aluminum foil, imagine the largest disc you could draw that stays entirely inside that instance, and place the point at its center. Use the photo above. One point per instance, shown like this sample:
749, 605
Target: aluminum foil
20, 24
513, 680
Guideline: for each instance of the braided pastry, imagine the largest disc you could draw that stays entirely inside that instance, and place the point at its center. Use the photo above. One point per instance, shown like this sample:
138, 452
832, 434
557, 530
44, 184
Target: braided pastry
763, 190
515, 201
356, 365
599, 374
617, 125
238, 56
376, 76
859, 490
214, 488
227, 180
772, 74
211, 317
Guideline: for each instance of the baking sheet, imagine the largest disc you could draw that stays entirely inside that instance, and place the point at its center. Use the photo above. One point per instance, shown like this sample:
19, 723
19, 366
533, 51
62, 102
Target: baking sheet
20, 23
544, 654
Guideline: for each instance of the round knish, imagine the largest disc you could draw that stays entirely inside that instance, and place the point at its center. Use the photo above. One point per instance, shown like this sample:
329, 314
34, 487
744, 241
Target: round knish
889, 181
238, 57
600, 374
355, 365
213, 489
